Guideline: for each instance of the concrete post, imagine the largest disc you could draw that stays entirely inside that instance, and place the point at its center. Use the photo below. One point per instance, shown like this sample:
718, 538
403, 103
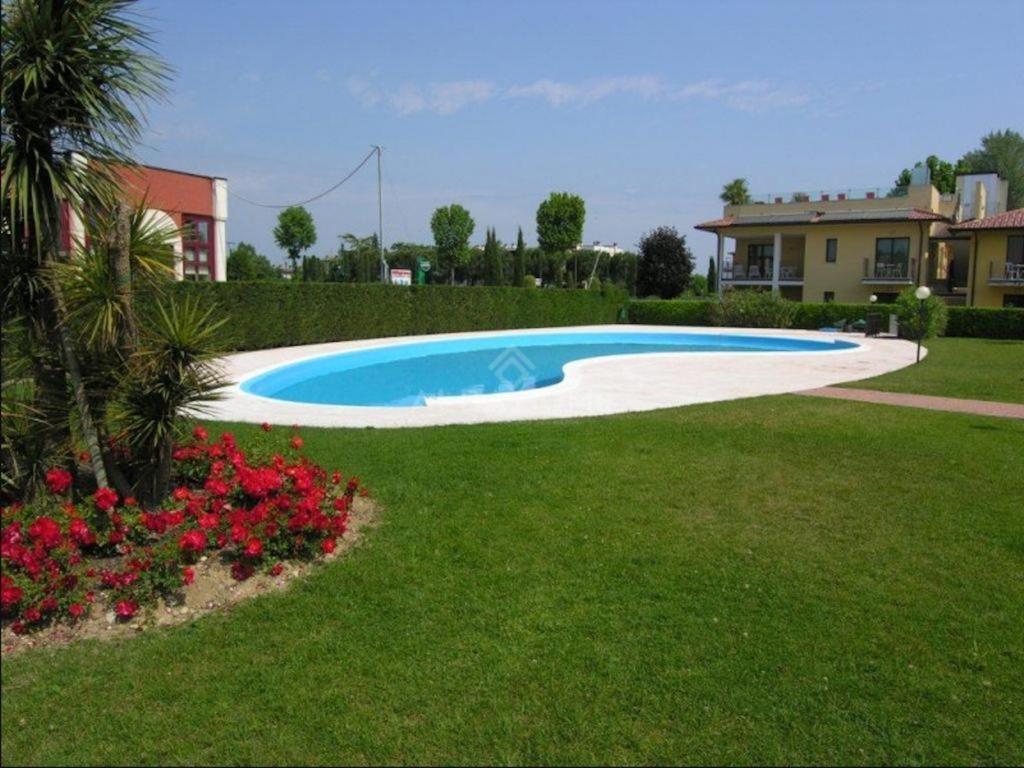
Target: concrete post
776, 261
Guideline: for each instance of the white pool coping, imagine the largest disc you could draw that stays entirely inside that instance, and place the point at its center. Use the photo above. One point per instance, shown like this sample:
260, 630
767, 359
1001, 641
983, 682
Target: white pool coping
592, 387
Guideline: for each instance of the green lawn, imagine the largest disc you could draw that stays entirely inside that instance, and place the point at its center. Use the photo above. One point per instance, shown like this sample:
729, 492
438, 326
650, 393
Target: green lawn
982, 369
771, 580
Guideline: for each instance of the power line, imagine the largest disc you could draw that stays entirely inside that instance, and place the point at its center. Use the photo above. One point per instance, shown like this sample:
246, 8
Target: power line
326, 192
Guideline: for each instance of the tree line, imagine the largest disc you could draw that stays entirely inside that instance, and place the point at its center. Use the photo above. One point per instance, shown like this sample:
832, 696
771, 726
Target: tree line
662, 264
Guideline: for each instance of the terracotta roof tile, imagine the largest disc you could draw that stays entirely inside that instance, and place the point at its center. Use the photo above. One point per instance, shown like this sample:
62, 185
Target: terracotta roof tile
1010, 220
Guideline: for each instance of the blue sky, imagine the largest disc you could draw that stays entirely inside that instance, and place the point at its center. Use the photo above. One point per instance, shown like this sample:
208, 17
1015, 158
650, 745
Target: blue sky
645, 109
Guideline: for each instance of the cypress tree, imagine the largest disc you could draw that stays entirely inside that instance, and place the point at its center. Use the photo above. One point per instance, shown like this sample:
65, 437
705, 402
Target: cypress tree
494, 271
712, 277
519, 263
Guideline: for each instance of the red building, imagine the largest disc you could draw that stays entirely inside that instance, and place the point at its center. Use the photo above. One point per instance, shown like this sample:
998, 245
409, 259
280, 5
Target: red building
195, 204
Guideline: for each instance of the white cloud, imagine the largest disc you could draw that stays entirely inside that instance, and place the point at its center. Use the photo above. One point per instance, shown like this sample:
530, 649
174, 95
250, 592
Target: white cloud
557, 94
446, 98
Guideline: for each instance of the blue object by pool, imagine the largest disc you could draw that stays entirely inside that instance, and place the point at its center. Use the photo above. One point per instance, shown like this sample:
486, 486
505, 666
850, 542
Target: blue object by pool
405, 374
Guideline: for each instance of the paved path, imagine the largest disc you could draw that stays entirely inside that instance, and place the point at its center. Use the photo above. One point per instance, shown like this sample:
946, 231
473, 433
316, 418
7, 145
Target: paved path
955, 404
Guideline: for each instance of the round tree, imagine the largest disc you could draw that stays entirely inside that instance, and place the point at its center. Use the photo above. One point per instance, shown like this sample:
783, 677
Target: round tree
665, 264
560, 224
295, 232
452, 227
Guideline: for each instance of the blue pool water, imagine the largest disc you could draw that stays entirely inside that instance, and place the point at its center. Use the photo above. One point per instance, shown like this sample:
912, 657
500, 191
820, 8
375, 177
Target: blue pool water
402, 375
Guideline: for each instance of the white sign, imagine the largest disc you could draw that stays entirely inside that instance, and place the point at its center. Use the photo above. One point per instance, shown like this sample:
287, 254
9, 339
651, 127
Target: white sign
401, 277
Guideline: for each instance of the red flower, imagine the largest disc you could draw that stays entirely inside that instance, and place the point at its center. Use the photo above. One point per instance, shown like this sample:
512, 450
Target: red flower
105, 499
265, 427
84, 457
45, 531
131, 501
125, 609
10, 596
200, 434
77, 610
297, 442
192, 541
80, 532
181, 493
188, 575
327, 546
254, 548
241, 571
58, 481
277, 569
208, 521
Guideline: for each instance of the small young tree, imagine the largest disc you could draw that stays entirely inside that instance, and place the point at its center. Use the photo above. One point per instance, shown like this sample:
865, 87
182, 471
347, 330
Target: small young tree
712, 276
735, 193
919, 321
560, 221
519, 260
494, 261
295, 232
665, 264
452, 227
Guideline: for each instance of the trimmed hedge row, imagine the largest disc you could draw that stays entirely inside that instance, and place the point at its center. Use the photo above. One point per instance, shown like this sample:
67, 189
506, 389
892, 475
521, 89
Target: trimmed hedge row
276, 314
980, 322
986, 323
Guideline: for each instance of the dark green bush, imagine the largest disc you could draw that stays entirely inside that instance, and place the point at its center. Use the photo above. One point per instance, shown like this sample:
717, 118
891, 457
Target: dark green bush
277, 314
918, 324
676, 312
753, 309
980, 322
986, 323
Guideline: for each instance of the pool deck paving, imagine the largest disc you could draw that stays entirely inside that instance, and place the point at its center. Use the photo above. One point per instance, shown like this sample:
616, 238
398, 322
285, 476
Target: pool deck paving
928, 402
591, 387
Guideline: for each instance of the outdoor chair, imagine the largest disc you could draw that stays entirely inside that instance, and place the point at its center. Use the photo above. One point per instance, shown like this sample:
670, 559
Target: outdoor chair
754, 273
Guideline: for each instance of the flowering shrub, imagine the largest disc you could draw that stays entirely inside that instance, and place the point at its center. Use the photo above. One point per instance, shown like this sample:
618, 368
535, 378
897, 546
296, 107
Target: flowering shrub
59, 553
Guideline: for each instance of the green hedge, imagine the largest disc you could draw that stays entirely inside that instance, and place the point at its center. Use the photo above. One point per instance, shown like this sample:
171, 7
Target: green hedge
674, 312
276, 314
985, 323
979, 322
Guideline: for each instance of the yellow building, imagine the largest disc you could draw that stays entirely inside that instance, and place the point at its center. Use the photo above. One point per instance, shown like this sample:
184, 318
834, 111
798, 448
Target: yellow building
847, 246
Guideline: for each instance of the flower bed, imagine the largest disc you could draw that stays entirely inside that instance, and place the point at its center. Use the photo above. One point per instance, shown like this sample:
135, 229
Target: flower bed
255, 511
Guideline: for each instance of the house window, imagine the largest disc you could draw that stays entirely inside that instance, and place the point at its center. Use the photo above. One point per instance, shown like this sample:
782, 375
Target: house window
831, 247
197, 247
830, 296
1015, 249
892, 250
1014, 300
760, 255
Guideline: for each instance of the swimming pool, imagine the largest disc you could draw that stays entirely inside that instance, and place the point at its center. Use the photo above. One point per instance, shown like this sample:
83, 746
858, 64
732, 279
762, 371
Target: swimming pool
403, 375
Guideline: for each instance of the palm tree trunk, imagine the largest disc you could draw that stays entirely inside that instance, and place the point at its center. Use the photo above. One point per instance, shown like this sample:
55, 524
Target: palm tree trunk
120, 254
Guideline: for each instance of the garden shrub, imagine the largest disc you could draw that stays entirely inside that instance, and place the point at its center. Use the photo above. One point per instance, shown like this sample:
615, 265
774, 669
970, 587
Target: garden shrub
674, 312
985, 322
274, 314
915, 324
753, 309
65, 550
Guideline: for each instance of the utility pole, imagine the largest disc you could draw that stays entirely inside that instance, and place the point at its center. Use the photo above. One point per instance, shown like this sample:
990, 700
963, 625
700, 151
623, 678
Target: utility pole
380, 219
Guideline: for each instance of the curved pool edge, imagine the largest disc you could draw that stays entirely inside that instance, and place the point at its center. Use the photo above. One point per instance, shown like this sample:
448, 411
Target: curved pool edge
590, 387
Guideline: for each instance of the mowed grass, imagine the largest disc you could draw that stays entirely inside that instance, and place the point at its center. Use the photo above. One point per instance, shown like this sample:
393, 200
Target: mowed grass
778, 580
979, 369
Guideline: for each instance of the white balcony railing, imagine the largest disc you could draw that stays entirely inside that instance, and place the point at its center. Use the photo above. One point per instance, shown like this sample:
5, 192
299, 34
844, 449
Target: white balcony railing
1005, 272
889, 272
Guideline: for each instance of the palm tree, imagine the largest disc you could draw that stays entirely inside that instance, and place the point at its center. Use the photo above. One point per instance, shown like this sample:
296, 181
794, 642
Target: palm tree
75, 75
735, 193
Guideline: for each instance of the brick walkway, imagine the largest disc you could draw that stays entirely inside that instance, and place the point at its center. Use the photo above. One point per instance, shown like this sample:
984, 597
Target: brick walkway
954, 404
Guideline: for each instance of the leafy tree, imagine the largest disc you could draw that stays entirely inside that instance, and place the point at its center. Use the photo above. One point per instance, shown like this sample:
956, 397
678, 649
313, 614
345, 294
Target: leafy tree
735, 193
519, 260
665, 264
943, 175
407, 255
295, 233
494, 260
313, 270
71, 73
712, 276
560, 225
917, 322
452, 227
362, 265
1002, 152
698, 285
244, 263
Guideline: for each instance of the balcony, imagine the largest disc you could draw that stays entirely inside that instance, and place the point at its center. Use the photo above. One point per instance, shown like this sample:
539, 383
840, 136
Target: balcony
757, 274
889, 273
1005, 273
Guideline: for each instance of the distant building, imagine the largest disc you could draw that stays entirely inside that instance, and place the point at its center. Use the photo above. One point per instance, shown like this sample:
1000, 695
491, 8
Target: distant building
847, 245
196, 204
597, 245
